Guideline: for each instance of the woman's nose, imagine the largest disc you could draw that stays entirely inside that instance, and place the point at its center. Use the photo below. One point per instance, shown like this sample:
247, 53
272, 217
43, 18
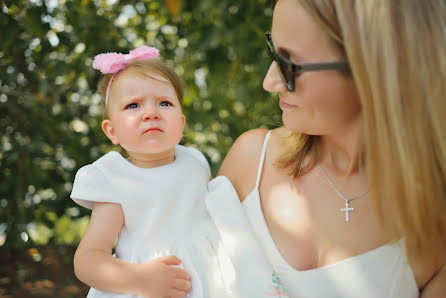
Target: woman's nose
273, 81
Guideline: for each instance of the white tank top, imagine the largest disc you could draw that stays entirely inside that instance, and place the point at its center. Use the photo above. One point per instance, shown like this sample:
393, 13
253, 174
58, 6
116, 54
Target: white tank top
380, 273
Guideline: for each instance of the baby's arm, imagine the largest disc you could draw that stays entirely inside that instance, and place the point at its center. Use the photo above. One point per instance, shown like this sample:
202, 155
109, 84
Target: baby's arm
95, 266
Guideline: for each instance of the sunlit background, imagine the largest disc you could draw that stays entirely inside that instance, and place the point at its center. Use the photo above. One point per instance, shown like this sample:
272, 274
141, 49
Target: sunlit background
50, 114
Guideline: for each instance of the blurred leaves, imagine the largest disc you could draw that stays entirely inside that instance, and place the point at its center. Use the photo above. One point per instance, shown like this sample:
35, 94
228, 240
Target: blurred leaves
50, 115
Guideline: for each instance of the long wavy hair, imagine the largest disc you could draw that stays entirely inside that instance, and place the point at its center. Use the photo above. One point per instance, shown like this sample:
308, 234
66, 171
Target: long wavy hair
399, 68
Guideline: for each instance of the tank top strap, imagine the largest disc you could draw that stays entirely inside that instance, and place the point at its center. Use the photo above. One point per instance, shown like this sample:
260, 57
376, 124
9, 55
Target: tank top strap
262, 158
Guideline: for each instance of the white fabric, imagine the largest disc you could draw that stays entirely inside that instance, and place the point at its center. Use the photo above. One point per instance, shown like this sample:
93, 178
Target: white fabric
164, 214
253, 276
382, 272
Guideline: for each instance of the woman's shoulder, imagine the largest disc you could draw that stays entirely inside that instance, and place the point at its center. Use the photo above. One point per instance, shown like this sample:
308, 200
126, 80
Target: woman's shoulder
245, 150
249, 140
242, 161
250, 143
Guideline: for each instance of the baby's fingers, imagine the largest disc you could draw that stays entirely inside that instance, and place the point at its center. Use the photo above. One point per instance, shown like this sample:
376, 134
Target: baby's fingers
181, 274
182, 285
170, 260
176, 294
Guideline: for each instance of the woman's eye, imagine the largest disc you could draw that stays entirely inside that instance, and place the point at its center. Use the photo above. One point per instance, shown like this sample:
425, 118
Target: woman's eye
165, 103
284, 54
132, 106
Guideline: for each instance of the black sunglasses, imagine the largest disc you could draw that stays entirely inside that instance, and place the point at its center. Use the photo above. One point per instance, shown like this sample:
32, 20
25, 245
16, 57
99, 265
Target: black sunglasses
289, 70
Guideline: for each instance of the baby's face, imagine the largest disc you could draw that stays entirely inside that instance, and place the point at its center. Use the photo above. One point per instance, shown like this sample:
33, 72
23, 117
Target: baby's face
145, 115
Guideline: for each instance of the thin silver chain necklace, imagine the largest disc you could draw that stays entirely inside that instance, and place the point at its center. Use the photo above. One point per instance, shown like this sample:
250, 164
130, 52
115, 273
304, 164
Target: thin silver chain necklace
347, 208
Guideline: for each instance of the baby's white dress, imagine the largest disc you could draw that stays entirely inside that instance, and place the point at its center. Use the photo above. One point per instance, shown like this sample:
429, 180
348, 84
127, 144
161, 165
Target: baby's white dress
165, 214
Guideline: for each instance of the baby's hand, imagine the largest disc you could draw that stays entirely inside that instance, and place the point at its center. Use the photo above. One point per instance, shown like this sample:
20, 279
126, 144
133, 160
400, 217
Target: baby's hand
163, 278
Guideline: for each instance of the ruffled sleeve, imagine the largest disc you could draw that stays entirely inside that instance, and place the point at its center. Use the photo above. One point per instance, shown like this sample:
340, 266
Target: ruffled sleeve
90, 186
196, 154
255, 275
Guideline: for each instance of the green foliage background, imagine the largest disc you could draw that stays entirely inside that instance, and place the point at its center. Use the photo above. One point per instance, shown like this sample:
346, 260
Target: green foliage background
50, 115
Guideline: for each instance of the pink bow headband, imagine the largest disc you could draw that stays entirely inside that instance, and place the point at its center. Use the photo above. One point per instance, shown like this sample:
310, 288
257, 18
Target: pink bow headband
114, 62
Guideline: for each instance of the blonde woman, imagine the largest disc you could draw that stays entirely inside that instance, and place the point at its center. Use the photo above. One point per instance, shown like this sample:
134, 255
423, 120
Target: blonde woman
348, 198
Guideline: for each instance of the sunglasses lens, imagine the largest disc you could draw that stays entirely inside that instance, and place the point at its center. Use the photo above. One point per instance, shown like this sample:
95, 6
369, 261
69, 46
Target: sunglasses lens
286, 72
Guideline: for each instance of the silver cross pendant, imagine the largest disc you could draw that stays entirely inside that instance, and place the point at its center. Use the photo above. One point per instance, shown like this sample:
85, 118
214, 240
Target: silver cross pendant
347, 209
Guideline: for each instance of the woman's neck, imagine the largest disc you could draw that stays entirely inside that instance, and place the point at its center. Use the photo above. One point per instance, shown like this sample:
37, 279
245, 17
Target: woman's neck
342, 153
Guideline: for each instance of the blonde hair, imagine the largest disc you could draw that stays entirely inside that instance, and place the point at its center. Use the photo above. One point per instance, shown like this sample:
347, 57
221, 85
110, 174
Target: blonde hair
154, 66
399, 69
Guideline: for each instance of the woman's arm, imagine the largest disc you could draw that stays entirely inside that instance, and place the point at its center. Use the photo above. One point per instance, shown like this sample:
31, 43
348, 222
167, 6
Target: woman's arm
95, 266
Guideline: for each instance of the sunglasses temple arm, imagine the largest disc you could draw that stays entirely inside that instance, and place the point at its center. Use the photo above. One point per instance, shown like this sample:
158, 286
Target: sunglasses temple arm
323, 66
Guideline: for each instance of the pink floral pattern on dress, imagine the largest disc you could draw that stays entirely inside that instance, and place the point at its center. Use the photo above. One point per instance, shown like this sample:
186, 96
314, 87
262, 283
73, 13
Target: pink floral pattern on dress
276, 289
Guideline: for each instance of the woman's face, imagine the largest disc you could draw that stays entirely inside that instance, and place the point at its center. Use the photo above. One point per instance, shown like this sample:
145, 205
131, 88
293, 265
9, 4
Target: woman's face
323, 102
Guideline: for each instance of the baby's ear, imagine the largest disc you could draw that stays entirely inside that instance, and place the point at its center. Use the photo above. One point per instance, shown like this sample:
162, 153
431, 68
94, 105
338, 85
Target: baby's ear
107, 128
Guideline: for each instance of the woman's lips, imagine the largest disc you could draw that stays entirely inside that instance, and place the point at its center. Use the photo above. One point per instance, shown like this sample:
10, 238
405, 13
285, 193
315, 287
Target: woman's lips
283, 105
